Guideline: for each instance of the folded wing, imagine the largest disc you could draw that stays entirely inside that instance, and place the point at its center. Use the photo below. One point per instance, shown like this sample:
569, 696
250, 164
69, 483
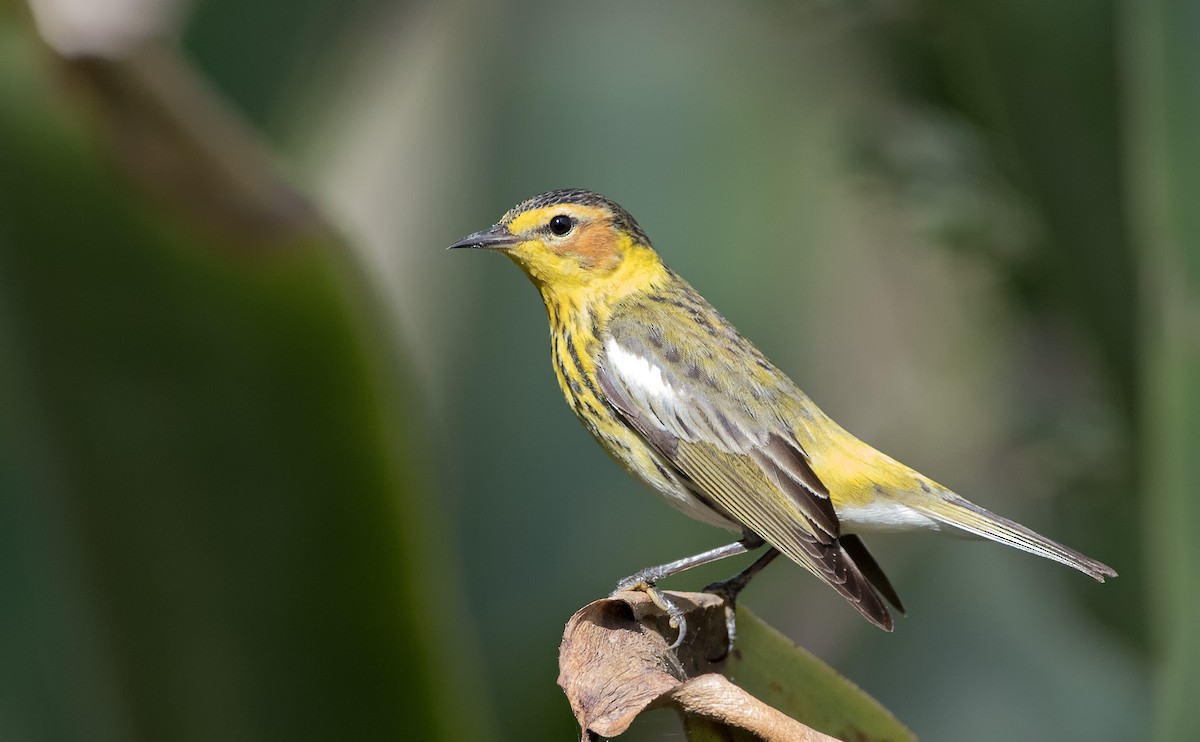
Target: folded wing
715, 424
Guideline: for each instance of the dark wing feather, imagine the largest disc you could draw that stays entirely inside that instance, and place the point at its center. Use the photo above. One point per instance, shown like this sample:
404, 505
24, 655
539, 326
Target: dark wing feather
788, 469
748, 468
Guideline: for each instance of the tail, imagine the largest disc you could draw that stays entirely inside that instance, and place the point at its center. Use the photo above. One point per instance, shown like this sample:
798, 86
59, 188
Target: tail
871, 570
963, 514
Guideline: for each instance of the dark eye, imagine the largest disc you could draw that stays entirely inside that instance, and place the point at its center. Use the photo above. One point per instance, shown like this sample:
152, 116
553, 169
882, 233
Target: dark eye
561, 224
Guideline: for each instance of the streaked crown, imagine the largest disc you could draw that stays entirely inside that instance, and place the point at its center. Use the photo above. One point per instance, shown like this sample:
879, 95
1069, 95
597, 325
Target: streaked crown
583, 199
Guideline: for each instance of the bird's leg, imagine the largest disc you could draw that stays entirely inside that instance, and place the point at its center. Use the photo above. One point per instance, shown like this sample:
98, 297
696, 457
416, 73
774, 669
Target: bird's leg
646, 579
729, 589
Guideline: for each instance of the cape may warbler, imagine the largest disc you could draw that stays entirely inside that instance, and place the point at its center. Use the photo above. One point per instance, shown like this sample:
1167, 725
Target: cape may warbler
691, 408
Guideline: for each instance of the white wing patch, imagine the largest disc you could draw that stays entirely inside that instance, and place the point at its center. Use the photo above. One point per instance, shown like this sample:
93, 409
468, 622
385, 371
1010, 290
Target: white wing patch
642, 377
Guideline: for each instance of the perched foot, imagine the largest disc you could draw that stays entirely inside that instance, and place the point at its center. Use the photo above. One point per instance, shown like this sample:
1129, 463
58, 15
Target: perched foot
729, 590
675, 617
649, 577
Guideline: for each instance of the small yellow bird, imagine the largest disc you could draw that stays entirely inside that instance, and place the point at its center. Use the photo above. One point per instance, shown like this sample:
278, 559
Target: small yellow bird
690, 407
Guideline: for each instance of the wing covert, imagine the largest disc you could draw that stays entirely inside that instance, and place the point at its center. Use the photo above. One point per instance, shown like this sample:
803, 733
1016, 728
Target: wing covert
707, 419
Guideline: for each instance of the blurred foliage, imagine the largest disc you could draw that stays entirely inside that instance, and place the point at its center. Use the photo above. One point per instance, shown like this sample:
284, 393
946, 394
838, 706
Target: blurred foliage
921, 210
213, 523
1165, 155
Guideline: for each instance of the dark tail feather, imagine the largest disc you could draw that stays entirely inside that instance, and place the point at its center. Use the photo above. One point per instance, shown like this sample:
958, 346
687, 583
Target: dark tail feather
858, 554
836, 567
855, 585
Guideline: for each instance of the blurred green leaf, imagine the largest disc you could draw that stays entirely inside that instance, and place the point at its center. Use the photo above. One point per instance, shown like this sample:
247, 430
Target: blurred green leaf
789, 678
215, 523
1162, 60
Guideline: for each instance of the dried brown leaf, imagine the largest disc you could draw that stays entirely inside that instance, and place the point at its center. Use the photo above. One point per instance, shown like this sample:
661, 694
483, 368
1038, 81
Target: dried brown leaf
615, 662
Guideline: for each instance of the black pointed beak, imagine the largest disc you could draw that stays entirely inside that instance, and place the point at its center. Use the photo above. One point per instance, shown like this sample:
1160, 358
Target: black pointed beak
496, 238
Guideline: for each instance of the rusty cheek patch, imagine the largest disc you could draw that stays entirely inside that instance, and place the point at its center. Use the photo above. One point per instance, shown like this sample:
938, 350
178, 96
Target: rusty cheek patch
594, 245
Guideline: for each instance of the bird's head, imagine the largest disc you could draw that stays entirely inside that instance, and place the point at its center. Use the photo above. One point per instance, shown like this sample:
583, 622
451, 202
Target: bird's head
568, 239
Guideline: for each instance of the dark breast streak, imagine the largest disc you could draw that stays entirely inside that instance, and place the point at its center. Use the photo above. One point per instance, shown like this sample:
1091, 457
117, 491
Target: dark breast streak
574, 348
574, 352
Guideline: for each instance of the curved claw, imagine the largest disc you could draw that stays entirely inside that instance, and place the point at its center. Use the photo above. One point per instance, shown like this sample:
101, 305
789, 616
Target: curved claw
675, 618
681, 624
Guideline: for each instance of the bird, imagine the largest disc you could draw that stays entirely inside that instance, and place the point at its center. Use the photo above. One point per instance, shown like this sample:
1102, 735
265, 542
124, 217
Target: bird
691, 408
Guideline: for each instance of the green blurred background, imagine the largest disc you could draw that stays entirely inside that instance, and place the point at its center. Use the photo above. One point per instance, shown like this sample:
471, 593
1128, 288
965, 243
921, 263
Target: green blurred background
263, 478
